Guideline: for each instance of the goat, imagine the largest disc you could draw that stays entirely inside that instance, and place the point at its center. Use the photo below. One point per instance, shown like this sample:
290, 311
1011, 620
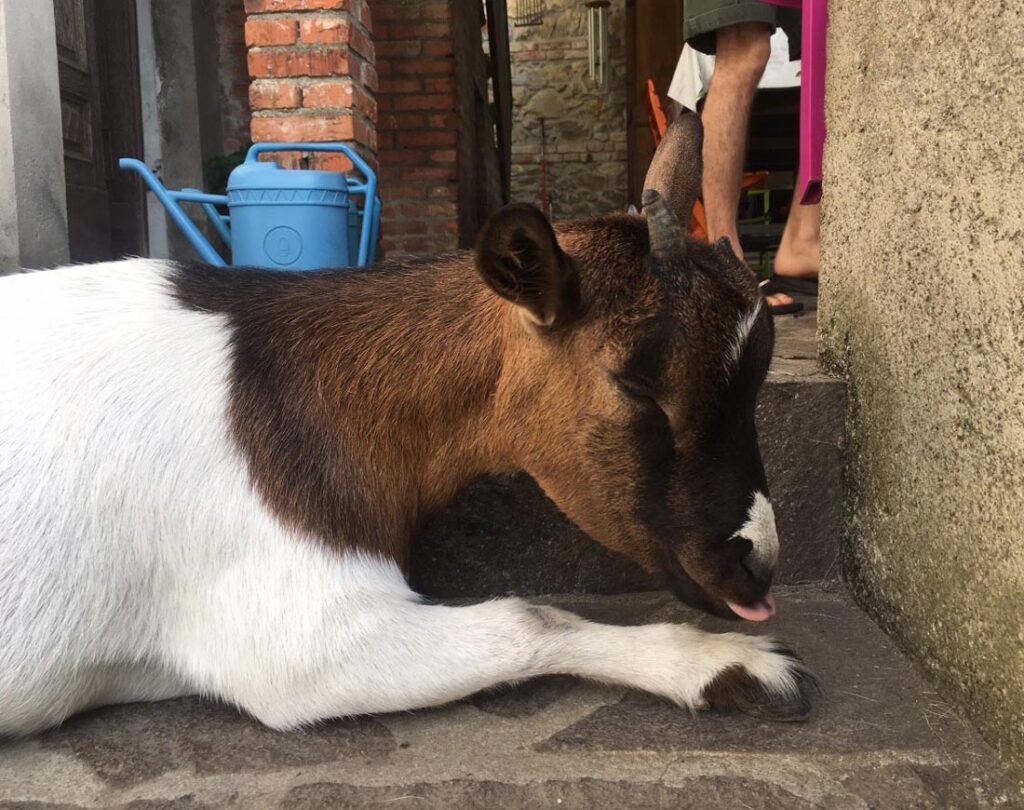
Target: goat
210, 478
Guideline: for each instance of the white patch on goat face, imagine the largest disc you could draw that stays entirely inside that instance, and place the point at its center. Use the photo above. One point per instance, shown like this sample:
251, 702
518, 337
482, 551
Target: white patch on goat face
746, 323
760, 530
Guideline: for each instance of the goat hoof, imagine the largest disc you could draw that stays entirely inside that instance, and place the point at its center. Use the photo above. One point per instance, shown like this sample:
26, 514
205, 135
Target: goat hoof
787, 698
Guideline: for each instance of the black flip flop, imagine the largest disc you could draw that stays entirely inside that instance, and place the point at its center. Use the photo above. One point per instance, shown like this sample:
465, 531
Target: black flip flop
803, 291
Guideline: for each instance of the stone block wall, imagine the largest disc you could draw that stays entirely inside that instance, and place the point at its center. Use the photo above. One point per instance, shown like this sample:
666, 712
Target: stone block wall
418, 132
313, 77
585, 125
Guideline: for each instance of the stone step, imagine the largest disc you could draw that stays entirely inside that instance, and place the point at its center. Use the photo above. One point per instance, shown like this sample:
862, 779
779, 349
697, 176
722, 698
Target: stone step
503, 535
880, 738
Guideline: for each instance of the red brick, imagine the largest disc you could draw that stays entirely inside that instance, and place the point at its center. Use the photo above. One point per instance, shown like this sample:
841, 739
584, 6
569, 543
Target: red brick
370, 81
445, 85
444, 121
393, 157
327, 162
421, 67
443, 156
340, 94
409, 11
431, 173
441, 47
398, 47
270, 6
416, 30
327, 94
402, 85
294, 128
365, 14
423, 210
318, 30
441, 192
412, 227
316, 62
402, 121
270, 32
426, 101
274, 96
361, 43
427, 138
407, 191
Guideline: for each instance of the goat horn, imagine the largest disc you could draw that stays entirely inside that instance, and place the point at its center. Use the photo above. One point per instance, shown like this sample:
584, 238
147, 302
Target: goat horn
666, 235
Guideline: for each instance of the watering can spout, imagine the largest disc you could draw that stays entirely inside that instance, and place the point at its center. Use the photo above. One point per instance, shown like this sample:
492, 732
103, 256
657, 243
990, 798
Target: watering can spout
171, 199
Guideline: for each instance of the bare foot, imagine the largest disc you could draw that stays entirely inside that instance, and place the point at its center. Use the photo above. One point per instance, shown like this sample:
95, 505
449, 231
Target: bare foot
796, 258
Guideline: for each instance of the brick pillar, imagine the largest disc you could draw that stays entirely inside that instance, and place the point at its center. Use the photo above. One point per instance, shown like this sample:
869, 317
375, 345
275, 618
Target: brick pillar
418, 126
312, 66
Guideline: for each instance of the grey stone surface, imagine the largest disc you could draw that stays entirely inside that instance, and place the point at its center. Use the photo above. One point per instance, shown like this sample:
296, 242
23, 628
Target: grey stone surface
921, 306
503, 535
880, 738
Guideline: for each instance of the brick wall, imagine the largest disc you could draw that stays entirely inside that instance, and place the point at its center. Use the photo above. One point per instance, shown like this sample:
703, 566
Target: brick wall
313, 77
417, 126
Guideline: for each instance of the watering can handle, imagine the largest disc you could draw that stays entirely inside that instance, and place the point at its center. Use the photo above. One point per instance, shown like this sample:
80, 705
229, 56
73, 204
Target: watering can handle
367, 188
260, 148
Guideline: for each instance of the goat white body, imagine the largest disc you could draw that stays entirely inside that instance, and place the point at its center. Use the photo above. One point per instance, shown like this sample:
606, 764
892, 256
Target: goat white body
138, 562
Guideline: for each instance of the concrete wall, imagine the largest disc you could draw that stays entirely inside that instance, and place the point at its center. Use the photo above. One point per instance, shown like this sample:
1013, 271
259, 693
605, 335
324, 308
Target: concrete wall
171, 111
585, 125
33, 207
923, 310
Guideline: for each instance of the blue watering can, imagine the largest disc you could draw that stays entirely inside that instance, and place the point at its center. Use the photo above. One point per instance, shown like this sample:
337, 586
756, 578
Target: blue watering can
282, 219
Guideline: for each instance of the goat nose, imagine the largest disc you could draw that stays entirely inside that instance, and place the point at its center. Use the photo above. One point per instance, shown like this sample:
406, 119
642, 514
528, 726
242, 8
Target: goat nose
760, 569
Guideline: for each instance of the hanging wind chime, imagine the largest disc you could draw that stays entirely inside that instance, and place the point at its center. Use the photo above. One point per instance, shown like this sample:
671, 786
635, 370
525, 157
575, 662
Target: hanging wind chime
597, 39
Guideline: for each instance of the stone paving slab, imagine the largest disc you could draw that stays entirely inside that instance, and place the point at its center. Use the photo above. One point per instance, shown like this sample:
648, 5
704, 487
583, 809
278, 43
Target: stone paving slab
503, 535
881, 738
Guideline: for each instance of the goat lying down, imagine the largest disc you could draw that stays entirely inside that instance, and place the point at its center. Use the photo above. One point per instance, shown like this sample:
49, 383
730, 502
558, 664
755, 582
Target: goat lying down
209, 478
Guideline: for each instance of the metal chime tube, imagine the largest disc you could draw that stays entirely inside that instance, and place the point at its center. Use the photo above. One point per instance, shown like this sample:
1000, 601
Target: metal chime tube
592, 60
597, 40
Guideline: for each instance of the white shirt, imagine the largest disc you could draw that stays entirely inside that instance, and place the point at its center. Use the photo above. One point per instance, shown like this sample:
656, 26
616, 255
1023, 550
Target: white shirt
693, 72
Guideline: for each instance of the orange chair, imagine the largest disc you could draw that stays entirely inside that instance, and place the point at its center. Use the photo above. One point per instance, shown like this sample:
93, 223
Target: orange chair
659, 123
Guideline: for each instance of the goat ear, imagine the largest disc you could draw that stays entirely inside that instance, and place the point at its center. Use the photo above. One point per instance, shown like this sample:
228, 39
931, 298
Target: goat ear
676, 170
519, 258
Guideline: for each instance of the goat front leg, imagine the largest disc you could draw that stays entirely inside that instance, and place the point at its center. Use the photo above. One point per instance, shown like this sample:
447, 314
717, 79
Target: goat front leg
400, 654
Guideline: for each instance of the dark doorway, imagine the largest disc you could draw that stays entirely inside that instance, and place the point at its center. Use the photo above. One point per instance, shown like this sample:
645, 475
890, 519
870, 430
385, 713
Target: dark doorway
654, 39
97, 49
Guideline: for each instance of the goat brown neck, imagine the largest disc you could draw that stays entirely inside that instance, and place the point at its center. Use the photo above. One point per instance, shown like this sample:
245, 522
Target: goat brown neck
363, 402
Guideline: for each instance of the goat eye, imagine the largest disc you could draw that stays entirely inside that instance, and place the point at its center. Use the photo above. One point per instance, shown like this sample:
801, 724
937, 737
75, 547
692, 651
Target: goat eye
633, 389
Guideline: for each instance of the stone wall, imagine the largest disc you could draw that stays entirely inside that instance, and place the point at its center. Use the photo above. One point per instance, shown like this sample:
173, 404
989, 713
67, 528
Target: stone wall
922, 309
585, 125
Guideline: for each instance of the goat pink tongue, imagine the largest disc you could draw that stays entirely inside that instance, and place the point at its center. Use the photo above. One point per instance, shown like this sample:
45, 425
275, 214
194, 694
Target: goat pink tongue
761, 612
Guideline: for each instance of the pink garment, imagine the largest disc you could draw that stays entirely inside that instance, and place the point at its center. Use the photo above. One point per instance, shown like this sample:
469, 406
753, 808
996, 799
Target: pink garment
812, 94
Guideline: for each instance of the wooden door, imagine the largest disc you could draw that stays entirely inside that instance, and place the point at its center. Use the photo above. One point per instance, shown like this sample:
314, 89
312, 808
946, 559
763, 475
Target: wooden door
654, 39
98, 68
